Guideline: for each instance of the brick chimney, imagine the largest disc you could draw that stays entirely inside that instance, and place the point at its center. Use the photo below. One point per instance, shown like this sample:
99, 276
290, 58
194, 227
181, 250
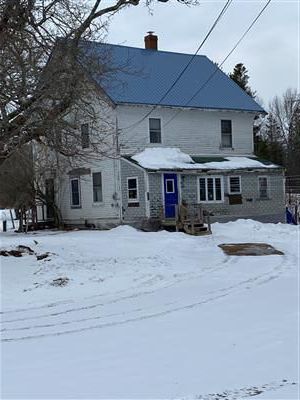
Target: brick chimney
151, 41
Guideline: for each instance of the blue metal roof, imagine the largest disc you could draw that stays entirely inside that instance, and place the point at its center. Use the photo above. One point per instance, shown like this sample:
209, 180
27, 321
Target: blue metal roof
142, 76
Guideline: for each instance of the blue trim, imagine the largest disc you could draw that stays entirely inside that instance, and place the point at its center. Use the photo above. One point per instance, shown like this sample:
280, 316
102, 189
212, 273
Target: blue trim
171, 196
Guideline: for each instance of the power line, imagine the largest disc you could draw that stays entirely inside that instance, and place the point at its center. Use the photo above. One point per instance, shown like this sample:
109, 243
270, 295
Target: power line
225, 59
224, 9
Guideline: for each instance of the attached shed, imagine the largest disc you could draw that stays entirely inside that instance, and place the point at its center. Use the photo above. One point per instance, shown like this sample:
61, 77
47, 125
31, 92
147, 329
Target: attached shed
156, 181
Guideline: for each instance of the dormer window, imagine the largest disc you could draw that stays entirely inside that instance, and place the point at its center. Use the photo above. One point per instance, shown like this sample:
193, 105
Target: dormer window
155, 130
226, 133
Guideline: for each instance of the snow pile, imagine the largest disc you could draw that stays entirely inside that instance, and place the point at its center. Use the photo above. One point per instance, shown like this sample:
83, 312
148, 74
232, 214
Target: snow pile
173, 158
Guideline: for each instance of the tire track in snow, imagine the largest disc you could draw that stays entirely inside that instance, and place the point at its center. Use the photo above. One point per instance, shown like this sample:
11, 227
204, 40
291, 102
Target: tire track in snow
119, 299
157, 259
187, 276
223, 292
245, 392
114, 323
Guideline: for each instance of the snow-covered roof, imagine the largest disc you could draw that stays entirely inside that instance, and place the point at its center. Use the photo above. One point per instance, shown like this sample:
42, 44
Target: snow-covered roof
165, 158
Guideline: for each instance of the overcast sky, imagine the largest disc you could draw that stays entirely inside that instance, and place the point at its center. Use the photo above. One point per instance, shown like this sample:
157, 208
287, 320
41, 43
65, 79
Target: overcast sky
270, 51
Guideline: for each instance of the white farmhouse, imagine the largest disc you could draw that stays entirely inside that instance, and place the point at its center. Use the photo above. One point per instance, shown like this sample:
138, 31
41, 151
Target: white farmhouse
190, 141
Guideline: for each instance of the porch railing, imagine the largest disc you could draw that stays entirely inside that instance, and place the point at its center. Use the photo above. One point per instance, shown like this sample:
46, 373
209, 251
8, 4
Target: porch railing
188, 217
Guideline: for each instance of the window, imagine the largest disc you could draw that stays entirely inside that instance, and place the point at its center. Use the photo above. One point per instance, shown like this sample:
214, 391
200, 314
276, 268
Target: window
211, 189
50, 197
155, 130
132, 187
97, 187
170, 186
234, 184
85, 136
263, 187
226, 133
75, 192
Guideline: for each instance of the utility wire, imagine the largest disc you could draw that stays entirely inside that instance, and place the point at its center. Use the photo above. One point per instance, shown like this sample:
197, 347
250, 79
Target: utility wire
224, 9
224, 60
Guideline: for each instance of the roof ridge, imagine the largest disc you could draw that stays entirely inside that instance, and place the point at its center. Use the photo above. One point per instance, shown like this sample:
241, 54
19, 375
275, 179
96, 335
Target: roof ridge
148, 50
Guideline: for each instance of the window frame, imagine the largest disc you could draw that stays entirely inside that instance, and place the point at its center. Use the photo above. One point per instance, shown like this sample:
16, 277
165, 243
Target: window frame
226, 133
99, 201
267, 190
88, 142
206, 177
240, 184
79, 192
149, 131
173, 182
130, 200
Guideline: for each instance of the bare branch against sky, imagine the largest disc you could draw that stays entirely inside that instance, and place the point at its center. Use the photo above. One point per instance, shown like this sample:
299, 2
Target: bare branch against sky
43, 68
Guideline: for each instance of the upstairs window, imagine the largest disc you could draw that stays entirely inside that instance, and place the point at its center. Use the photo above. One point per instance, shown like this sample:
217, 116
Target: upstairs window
132, 189
234, 184
75, 192
210, 189
85, 136
97, 187
155, 130
226, 133
263, 187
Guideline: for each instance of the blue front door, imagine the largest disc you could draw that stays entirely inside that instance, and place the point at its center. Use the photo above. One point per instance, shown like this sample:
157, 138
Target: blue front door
171, 194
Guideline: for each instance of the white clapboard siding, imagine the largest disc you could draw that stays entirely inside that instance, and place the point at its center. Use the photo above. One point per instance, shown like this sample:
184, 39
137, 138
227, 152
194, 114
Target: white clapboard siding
106, 211
193, 131
109, 209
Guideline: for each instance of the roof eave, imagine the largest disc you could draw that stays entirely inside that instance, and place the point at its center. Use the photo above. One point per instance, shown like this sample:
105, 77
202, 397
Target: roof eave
126, 103
212, 170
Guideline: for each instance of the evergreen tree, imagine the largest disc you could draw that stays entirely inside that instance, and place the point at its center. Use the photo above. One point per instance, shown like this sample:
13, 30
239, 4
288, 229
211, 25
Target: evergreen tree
293, 147
269, 145
241, 77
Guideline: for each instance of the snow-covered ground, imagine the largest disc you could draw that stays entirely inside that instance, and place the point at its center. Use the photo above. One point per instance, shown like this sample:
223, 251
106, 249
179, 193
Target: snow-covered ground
151, 315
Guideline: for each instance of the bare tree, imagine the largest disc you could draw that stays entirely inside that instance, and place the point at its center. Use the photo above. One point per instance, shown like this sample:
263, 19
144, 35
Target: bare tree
280, 134
38, 103
285, 111
17, 189
27, 184
47, 92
